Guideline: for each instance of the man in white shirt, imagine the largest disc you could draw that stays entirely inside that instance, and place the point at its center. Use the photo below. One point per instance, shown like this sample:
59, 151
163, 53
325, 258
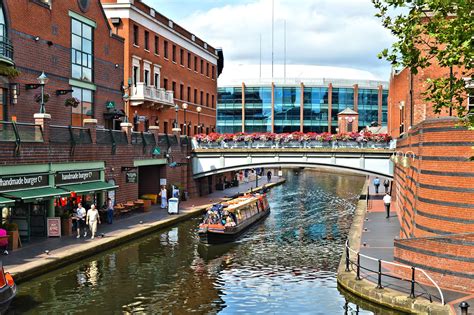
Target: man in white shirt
81, 220
387, 200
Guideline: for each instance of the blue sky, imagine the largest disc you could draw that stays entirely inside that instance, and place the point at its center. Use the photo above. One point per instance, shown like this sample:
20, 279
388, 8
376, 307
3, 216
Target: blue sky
341, 33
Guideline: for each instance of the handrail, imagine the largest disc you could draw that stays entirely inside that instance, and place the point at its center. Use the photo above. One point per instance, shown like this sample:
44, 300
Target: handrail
412, 268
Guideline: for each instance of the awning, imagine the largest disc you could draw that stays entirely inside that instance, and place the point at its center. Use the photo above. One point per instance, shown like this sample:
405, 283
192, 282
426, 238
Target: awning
89, 187
6, 201
37, 193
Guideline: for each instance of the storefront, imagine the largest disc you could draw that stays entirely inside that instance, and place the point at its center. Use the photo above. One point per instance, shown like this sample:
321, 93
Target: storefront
28, 198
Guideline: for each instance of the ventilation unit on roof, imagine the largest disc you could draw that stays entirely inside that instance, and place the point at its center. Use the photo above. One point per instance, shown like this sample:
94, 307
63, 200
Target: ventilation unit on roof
152, 12
170, 23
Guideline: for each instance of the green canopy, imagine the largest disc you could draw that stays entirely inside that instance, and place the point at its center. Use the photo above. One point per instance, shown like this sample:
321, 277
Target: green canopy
6, 201
37, 193
88, 187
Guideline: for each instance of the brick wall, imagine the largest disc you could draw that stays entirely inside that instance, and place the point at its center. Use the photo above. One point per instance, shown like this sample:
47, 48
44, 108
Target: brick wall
434, 196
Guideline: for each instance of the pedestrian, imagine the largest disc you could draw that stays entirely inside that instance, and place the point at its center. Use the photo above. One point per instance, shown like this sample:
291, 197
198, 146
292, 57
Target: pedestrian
91, 219
387, 200
386, 184
376, 184
246, 175
164, 197
110, 211
81, 220
241, 176
269, 176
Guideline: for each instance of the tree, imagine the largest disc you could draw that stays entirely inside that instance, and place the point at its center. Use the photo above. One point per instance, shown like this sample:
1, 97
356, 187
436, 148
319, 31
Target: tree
431, 32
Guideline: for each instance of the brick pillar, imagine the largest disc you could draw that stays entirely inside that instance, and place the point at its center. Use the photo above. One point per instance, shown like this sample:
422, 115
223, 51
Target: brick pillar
155, 130
44, 121
91, 124
127, 127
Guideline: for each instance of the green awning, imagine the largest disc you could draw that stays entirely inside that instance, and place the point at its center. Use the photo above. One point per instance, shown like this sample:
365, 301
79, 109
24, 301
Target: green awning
88, 187
6, 201
37, 193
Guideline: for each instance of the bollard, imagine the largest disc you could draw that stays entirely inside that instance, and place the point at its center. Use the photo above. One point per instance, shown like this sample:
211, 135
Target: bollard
379, 279
358, 267
412, 291
464, 307
347, 259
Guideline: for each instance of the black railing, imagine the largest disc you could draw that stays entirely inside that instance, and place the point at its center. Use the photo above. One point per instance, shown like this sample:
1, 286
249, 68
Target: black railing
149, 139
80, 135
120, 137
104, 136
408, 285
137, 138
11, 131
6, 48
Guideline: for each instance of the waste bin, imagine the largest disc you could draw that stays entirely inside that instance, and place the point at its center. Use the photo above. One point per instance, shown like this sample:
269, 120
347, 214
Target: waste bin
173, 206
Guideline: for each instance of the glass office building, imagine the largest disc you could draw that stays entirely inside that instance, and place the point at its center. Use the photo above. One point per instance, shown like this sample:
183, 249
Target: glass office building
299, 107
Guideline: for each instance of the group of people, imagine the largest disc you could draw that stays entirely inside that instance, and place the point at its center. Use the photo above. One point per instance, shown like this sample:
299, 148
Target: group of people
218, 215
89, 219
387, 199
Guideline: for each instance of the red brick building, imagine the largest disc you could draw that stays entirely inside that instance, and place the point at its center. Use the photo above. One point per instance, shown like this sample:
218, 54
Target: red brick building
434, 185
165, 65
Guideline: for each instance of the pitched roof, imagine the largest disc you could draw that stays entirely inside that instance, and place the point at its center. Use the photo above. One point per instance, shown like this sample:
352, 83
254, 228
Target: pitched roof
348, 111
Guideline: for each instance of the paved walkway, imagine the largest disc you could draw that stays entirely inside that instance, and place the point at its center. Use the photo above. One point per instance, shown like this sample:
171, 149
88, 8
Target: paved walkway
378, 236
38, 253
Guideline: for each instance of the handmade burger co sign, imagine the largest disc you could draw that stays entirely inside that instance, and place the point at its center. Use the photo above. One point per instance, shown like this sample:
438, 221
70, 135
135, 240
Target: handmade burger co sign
9, 183
73, 177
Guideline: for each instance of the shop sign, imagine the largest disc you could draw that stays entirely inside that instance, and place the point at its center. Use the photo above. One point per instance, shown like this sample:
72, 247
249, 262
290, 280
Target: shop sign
8, 183
156, 151
54, 227
110, 105
72, 177
162, 181
131, 177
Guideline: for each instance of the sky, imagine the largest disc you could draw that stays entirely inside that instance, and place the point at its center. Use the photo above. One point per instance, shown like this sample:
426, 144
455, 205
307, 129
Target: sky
341, 33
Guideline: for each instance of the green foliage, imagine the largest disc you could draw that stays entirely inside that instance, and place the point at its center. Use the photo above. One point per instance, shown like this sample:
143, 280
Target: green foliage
9, 71
431, 32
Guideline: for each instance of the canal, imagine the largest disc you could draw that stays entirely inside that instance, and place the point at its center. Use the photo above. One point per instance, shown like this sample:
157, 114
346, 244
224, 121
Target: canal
286, 264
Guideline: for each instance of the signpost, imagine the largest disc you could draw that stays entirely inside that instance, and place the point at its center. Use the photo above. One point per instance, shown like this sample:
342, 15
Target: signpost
54, 227
131, 177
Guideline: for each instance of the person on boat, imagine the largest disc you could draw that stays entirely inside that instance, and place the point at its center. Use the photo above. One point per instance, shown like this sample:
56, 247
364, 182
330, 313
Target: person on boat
269, 176
229, 222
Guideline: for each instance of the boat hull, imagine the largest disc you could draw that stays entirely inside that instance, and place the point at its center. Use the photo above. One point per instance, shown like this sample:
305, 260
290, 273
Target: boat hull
211, 237
7, 294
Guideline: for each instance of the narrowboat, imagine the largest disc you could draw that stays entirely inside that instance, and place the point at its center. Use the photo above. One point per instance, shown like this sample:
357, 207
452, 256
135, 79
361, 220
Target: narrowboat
225, 222
7, 290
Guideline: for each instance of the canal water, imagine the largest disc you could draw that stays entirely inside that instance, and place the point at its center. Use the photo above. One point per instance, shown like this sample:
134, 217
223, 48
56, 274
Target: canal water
285, 265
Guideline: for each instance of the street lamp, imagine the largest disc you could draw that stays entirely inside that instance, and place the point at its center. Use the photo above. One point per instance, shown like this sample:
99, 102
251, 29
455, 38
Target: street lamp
176, 128
185, 106
198, 109
42, 80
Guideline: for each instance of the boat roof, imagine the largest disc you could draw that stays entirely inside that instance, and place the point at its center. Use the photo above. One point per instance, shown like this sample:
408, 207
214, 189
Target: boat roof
245, 200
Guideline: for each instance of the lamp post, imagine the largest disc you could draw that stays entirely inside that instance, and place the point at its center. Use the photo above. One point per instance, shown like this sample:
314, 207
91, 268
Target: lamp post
185, 106
198, 109
176, 128
42, 80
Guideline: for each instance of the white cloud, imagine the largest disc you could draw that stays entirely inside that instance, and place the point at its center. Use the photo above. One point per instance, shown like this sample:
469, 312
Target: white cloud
319, 32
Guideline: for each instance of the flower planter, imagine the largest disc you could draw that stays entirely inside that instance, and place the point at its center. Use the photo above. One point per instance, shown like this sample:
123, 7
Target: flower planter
66, 226
348, 144
292, 144
210, 145
376, 145
261, 144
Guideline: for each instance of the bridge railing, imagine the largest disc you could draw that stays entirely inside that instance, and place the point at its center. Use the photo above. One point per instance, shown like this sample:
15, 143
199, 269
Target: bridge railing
289, 144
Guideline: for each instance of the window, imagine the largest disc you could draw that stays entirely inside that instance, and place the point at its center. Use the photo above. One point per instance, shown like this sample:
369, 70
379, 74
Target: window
156, 45
207, 99
189, 94
82, 48
136, 73
165, 48
189, 60
85, 108
202, 97
212, 101
202, 66
147, 43
174, 88
174, 53
165, 84
181, 57
3, 108
195, 63
147, 77
157, 80
207, 69
213, 72
195, 96
181, 91
135, 35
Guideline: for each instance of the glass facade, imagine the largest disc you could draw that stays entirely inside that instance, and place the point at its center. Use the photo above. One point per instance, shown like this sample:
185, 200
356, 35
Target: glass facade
368, 107
342, 98
258, 109
82, 59
229, 111
287, 105
287, 109
315, 113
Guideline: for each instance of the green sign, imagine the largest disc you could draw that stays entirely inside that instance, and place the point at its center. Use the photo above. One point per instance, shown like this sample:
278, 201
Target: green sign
110, 105
156, 151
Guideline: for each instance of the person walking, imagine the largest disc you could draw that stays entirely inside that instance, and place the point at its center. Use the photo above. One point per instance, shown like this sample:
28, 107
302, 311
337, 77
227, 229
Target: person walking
81, 220
387, 199
386, 184
164, 197
91, 219
269, 176
376, 184
110, 211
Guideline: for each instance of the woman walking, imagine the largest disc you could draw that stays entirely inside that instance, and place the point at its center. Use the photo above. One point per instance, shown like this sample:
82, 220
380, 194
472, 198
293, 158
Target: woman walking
164, 197
91, 219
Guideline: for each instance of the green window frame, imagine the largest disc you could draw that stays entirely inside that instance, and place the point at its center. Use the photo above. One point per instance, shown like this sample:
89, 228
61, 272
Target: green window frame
82, 50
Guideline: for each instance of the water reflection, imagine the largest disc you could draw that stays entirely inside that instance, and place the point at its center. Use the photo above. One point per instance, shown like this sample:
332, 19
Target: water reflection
287, 264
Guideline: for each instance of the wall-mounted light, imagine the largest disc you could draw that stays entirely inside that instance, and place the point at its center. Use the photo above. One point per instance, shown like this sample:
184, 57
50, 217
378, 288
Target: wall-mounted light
401, 104
37, 38
406, 161
14, 92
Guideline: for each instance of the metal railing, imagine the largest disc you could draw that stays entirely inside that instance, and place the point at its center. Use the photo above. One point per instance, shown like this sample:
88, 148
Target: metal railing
11, 131
137, 138
119, 137
69, 134
6, 48
413, 283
